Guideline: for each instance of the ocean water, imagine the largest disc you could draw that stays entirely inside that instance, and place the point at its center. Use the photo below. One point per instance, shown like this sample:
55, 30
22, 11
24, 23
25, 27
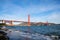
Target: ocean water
36, 29
33, 32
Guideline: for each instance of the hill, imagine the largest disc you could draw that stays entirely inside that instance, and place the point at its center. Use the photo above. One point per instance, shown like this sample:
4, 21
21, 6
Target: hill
35, 24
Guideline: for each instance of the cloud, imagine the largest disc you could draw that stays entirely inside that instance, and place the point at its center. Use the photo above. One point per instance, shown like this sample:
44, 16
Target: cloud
54, 17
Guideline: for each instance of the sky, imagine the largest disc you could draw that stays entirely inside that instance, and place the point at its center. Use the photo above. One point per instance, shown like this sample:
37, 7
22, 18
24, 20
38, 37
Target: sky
39, 10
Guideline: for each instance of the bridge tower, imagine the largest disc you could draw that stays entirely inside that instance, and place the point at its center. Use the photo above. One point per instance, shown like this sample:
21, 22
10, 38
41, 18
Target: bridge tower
3, 21
28, 20
11, 23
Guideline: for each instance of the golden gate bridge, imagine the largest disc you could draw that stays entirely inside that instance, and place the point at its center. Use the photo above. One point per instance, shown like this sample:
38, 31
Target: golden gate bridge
11, 21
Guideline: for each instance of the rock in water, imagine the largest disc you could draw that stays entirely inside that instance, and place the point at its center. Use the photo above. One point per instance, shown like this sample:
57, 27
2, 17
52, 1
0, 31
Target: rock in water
3, 36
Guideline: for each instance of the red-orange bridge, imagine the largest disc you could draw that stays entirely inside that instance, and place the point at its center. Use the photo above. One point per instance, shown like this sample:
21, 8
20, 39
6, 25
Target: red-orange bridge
11, 21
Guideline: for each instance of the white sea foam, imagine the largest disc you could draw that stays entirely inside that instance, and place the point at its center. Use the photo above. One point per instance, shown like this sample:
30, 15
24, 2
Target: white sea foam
17, 34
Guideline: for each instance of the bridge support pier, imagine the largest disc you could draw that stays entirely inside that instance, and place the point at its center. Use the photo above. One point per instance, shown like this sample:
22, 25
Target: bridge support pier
11, 23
